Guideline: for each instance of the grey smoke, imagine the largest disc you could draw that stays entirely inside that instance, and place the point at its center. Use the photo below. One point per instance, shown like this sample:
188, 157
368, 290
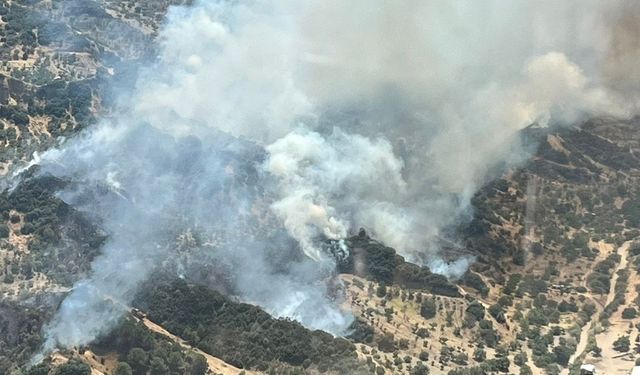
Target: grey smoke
182, 204
319, 117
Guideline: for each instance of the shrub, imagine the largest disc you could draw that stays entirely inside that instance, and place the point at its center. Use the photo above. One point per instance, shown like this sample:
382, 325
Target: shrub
73, 367
479, 355
476, 310
420, 369
520, 359
123, 368
629, 313
562, 353
475, 281
386, 343
428, 309
497, 313
622, 344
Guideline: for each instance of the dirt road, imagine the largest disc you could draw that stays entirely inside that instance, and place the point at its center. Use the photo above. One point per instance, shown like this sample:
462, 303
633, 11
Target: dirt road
215, 364
588, 328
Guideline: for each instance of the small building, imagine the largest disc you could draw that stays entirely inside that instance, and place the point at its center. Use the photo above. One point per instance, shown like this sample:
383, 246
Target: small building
587, 369
636, 370
138, 314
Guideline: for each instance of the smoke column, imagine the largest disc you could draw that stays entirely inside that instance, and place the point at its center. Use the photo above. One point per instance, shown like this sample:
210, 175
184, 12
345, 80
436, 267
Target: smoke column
263, 122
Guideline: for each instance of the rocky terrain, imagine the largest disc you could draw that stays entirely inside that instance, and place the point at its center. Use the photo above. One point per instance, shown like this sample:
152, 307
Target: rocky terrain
556, 242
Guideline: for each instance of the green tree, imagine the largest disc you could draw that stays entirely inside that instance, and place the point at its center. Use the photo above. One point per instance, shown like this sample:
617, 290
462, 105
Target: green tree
479, 355
123, 368
562, 353
4, 231
158, 367
138, 359
629, 313
198, 365
497, 313
387, 343
537, 249
622, 344
8, 278
476, 310
552, 369
460, 359
519, 257
428, 309
175, 363
40, 369
420, 369
73, 367
520, 359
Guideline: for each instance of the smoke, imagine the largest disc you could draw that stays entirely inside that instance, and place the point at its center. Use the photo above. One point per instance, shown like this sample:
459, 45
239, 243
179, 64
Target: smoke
187, 205
320, 178
446, 85
319, 117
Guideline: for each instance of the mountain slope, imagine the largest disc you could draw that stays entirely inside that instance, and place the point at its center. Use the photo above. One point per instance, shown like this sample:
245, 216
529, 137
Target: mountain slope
555, 281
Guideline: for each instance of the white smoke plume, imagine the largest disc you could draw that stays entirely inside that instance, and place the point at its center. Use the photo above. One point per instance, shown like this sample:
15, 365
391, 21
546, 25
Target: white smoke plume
383, 114
186, 204
320, 178
447, 85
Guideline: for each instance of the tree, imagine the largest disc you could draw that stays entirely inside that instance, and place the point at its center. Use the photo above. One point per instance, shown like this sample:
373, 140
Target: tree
497, 313
175, 363
476, 310
428, 309
73, 367
4, 231
158, 367
460, 359
520, 359
386, 343
40, 369
622, 344
537, 249
138, 359
589, 309
198, 365
519, 257
629, 313
8, 278
538, 317
552, 369
381, 291
487, 334
420, 369
479, 355
123, 368
562, 353
497, 364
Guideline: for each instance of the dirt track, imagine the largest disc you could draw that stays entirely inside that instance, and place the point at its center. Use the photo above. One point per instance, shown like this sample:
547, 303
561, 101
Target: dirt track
588, 328
215, 364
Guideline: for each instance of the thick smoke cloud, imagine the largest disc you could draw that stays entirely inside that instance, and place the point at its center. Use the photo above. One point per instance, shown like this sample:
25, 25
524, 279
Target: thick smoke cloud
447, 85
319, 117
187, 205
319, 177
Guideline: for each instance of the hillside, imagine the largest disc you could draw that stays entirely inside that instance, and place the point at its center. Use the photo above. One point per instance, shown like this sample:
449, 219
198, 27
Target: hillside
556, 242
